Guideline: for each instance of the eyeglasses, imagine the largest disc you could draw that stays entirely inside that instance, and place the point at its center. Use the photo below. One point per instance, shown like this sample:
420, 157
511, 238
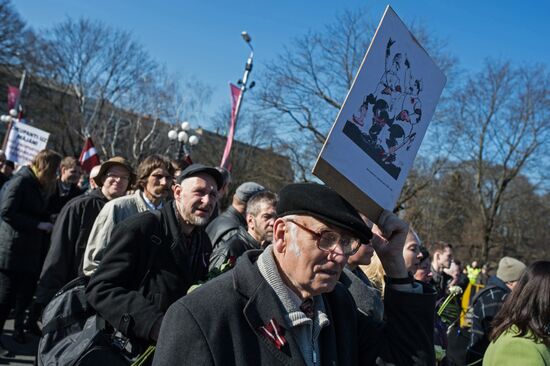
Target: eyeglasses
115, 176
327, 240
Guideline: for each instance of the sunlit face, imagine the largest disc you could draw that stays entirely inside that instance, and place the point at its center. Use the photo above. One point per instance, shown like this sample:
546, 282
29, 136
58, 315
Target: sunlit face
115, 182
308, 270
195, 199
424, 271
363, 256
261, 225
446, 258
411, 252
71, 175
158, 185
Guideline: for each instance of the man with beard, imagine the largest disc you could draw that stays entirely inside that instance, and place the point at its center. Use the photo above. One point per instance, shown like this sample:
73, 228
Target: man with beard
154, 181
153, 258
260, 215
284, 306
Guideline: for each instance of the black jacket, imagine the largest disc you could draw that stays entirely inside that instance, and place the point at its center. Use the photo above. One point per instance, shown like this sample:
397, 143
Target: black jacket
68, 242
219, 324
23, 207
225, 226
128, 296
234, 247
59, 199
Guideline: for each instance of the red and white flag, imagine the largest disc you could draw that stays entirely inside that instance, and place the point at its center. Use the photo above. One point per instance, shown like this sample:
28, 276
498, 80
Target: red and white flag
13, 95
235, 100
89, 157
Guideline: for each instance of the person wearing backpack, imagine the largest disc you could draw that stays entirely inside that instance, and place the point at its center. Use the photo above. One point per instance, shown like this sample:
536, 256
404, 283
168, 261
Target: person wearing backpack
487, 304
152, 259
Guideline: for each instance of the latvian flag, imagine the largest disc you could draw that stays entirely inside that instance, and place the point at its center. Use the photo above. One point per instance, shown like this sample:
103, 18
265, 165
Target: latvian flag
88, 156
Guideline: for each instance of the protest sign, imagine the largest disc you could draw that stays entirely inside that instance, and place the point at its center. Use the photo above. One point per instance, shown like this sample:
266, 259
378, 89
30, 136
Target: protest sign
24, 142
377, 133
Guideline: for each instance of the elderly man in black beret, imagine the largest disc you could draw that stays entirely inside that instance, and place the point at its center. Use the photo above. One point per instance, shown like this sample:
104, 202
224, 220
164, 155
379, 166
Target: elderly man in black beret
153, 258
284, 305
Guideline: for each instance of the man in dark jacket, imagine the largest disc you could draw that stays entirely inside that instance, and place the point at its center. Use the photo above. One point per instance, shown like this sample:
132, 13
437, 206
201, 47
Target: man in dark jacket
284, 305
67, 185
228, 223
154, 257
260, 215
71, 230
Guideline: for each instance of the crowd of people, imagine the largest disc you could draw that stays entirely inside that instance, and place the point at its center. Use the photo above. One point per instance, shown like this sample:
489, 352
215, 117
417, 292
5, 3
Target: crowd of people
297, 276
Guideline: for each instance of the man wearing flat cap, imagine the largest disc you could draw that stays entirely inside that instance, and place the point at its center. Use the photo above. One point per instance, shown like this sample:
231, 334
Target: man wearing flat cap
223, 227
284, 305
153, 258
71, 230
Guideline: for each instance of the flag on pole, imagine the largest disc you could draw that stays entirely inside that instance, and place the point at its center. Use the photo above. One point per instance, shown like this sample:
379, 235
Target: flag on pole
13, 95
89, 157
235, 97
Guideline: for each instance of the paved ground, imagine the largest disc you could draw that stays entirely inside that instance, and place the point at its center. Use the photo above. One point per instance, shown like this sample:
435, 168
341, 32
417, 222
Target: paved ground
21, 354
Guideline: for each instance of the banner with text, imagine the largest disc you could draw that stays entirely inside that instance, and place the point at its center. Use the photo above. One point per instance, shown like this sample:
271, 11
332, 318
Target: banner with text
25, 142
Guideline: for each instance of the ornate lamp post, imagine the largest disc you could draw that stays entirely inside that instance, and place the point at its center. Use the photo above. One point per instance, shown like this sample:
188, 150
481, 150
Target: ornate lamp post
185, 138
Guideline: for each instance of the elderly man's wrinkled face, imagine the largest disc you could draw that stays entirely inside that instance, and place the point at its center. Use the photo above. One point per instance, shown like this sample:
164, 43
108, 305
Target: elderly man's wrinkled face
195, 198
305, 268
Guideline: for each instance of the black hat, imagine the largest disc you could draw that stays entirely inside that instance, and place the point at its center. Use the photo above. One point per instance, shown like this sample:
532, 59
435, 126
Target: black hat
10, 163
323, 203
195, 169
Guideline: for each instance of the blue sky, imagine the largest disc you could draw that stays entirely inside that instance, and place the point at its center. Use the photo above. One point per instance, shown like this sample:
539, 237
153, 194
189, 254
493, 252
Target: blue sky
202, 38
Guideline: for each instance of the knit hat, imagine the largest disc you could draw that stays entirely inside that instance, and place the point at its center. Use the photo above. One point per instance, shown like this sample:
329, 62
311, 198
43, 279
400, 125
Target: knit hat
323, 203
510, 269
247, 190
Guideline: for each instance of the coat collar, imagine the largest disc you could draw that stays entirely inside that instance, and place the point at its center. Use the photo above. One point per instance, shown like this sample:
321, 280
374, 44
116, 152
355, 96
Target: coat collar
263, 305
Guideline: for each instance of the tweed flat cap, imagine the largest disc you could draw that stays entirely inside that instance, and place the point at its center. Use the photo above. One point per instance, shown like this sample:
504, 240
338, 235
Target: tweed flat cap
195, 169
323, 203
247, 190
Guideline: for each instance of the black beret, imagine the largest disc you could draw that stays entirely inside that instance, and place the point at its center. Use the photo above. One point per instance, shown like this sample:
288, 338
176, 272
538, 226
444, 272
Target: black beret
323, 203
195, 169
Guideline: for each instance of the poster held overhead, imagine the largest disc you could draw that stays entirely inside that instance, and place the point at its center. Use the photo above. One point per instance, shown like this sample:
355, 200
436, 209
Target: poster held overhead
373, 142
24, 142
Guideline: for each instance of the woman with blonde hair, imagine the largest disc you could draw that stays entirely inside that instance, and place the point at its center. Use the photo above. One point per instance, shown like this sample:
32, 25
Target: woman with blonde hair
411, 256
24, 227
521, 329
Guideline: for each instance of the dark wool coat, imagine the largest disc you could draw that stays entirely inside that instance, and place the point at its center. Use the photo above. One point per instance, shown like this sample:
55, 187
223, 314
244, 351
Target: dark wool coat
219, 324
128, 296
68, 242
22, 208
58, 200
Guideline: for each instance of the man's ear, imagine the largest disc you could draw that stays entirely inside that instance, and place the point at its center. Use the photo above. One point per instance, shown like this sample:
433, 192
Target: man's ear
249, 221
279, 231
176, 189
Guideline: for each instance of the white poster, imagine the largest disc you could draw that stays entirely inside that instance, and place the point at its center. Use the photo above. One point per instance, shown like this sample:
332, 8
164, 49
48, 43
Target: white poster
25, 142
383, 120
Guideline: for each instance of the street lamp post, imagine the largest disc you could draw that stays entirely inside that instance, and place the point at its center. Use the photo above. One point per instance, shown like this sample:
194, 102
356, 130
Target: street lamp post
244, 86
243, 83
185, 138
